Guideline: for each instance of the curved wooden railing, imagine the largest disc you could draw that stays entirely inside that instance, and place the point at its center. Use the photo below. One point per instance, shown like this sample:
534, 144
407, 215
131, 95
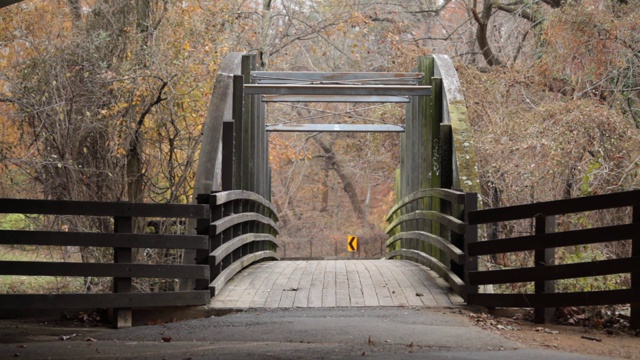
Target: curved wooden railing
242, 230
434, 238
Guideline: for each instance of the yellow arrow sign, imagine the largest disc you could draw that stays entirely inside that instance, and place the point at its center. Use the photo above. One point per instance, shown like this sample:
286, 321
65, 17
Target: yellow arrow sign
352, 244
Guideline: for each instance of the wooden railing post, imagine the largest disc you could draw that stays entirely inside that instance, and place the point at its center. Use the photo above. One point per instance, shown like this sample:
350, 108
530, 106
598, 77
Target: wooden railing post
203, 227
470, 236
122, 316
227, 209
544, 257
635, 276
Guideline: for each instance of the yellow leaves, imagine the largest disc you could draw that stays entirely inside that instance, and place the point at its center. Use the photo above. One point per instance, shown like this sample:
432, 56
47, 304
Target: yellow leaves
115, 109
186, 46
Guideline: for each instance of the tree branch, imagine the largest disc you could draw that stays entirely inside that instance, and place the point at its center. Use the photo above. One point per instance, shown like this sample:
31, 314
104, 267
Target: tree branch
519, 11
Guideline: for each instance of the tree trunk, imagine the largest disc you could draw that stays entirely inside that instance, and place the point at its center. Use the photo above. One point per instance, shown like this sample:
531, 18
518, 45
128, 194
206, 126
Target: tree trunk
347, 184
482, 34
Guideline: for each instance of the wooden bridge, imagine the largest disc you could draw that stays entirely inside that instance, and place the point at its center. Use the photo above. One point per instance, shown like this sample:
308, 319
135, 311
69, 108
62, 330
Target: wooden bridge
433, 245
335, 283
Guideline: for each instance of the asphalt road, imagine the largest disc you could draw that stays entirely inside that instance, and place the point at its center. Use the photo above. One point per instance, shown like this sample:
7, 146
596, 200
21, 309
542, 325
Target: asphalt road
338, 333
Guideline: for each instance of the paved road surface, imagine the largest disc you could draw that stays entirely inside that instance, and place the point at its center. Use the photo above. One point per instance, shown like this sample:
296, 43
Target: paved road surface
304, 333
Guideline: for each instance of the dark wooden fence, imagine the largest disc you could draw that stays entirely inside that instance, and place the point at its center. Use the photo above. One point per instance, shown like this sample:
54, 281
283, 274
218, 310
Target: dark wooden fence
545, 271
242, 231
434, 238
122, 270
439, 228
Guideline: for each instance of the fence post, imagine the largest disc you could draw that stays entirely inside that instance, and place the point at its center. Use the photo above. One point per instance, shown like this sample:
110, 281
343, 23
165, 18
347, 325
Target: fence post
123, 316
544, 257
635, 276
470, 236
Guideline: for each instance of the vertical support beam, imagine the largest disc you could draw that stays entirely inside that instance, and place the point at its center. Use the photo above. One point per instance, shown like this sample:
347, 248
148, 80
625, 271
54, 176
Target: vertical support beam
403, 182
238, 118
436, 151
424, 142
397, 245
544, 257
436, 144
270, 176
635, 276
235, 207
215, 240
446, 156
470, 236
263, 148
227, 155
227, 235
446, 182
249, 115
203, 227
123, 316
262, 161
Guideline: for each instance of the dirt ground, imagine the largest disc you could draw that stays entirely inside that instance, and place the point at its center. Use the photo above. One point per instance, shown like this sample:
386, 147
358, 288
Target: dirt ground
574, 339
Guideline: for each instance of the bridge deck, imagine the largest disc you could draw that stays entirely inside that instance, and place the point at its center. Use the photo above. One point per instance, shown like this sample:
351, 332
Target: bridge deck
335, 283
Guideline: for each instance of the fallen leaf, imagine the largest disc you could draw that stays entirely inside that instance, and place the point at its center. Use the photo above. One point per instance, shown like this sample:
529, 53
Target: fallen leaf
166, 338
90, 339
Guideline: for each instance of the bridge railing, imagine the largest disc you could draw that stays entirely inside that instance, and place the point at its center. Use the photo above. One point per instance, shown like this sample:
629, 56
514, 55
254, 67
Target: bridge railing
435, 238
545, 270
122, 215
243, 229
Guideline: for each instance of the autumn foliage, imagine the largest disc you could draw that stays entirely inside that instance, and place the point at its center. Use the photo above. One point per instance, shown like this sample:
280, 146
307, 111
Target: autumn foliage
106, 100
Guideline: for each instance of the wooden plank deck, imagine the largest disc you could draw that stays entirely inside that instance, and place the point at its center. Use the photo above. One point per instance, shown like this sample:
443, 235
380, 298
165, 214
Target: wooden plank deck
335, 283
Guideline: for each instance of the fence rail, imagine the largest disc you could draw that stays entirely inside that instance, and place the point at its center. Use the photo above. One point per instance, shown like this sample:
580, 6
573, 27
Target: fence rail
122, 270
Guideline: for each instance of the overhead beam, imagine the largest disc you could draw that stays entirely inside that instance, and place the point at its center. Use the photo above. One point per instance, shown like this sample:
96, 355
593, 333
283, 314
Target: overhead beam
335, 99
371, 90
335, 128
301, 77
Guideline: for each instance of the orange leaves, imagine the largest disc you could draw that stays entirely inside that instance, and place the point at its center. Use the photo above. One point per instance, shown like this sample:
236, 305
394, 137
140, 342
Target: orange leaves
582, 45
282, 153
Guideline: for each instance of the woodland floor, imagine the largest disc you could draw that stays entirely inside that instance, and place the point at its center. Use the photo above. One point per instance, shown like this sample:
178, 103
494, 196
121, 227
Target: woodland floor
573, 339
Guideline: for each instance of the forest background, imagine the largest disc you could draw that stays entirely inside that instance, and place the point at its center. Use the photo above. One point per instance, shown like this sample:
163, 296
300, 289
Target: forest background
105, 100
